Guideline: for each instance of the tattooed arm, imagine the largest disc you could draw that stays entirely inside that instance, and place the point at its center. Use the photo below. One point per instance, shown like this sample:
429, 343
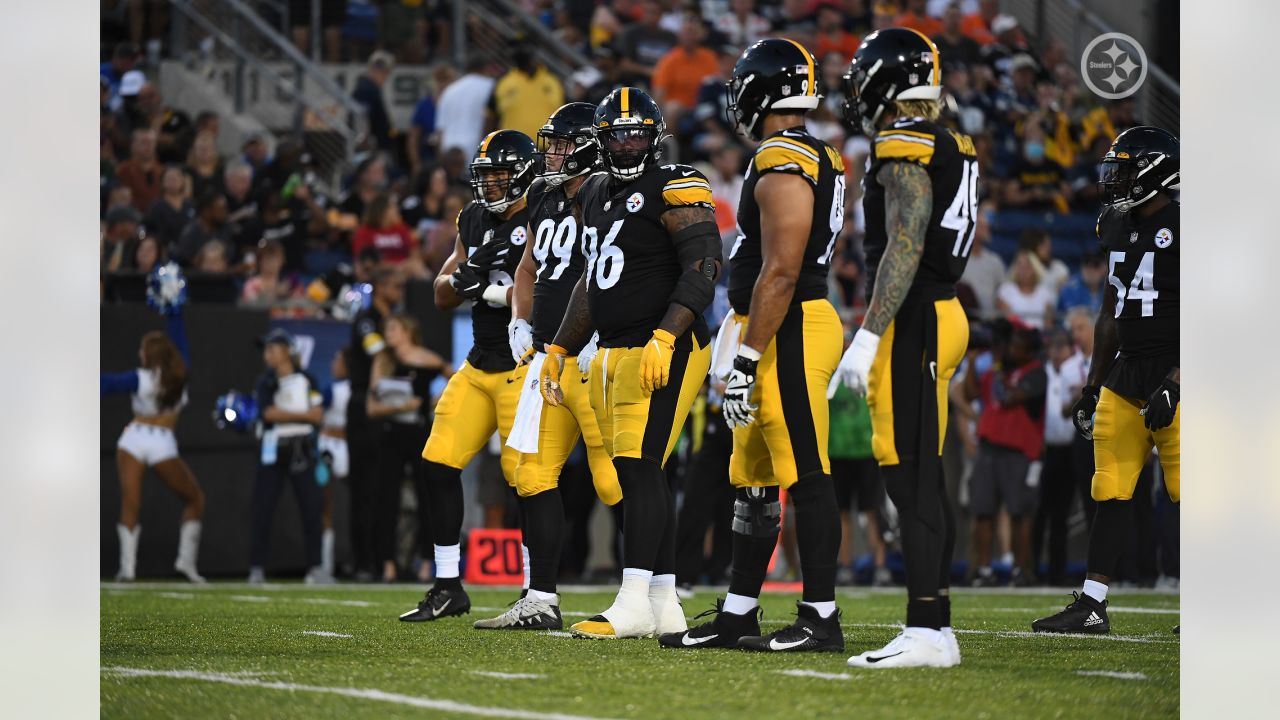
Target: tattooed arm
786, 214
908, 205
697, 241
575, 329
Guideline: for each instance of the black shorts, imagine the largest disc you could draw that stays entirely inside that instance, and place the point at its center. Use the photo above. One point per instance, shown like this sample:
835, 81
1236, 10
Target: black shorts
1000, 475
857, 476
332, 13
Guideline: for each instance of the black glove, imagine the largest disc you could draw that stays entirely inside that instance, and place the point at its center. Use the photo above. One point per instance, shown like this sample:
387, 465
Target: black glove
489, 256
468, 283
1082, 412
1158, 413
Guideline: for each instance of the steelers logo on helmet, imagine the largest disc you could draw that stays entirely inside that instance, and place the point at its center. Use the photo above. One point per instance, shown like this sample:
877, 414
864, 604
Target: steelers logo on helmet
518, 235
629, 130
635, 202
890, 65
773, 74
502, 169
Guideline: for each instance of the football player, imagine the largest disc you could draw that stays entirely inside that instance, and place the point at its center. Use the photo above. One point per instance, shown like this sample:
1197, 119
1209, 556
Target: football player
1130, 402
481, 397
790, 212
920, 205
551, 265
653, 255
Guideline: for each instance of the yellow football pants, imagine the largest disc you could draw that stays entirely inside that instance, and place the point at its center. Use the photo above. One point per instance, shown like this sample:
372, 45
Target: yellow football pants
1122, 444
475, 404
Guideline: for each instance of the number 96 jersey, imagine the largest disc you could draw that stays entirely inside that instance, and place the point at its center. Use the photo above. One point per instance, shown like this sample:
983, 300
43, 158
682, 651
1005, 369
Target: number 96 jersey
632, 264
952, 164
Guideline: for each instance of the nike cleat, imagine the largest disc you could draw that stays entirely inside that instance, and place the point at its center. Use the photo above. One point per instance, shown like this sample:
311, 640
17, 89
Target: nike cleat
722, 631
628, 617
913, 647
439, 602
809, 633
1083, 615
525, 614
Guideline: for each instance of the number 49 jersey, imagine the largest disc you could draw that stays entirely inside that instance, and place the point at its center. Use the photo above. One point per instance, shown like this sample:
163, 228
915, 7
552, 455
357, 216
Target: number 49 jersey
632, 265
797, 152
952, 164
1142, 268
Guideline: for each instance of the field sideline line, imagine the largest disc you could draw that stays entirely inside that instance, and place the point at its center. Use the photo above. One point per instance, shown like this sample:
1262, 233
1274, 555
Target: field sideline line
358, 693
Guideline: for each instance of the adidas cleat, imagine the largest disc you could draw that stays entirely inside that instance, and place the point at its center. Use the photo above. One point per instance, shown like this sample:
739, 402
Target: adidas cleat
722, 631
913, 647
525, 614
1083, 615
809, 633
439, 602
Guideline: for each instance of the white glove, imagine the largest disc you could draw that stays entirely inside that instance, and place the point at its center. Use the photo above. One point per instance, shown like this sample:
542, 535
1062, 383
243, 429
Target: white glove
855, 366
587, 354
736, 406
520, 336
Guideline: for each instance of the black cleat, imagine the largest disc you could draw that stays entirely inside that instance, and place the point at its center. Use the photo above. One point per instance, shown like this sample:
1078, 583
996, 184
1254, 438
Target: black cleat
809, 633
722, 631
1083, 615
439, 602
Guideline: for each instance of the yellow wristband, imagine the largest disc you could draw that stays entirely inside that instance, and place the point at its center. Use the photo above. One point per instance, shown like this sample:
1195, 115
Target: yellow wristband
553, 349
664, 337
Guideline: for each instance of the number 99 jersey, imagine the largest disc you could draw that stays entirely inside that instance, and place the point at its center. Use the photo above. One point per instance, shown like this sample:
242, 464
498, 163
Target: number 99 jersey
632, 264
952, 164
797, 152
557, 256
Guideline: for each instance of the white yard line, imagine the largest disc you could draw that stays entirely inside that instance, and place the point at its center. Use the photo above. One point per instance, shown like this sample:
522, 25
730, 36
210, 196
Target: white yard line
816, 674
1113, 674
176, 595
558, 633
1152, 611
249, 598
447, 706
326, 633
507, 676
330, 601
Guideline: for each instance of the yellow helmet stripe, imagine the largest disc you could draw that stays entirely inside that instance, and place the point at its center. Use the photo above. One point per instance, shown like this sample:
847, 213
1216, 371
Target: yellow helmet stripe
626, 102
937, 75
484, 144
813, 87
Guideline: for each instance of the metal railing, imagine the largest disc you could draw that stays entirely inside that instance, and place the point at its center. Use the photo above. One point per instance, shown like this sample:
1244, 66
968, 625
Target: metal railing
488, 27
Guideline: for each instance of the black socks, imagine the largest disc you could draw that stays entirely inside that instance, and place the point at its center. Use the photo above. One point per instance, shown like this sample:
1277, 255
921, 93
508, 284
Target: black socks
543, 518
817, 535
444, 488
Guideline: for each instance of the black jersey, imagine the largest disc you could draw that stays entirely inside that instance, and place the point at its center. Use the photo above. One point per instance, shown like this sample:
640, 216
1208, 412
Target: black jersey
952, 164
477, 226
1142, 270
557, 256
791, 151
632, 265
366, 342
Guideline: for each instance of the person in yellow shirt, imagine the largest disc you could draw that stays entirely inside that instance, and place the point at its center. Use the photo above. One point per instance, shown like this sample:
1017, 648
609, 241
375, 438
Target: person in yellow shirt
526, 95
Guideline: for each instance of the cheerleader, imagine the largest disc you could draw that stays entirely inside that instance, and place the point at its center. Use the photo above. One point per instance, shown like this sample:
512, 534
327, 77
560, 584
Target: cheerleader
333, 449
158, 390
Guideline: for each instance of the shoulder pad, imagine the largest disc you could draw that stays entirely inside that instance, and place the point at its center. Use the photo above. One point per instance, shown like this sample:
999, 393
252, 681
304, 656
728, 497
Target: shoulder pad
788, 153
684, 185
908, 141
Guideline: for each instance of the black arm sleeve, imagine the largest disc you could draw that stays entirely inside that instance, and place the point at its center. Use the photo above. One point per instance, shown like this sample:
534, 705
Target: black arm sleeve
698, 249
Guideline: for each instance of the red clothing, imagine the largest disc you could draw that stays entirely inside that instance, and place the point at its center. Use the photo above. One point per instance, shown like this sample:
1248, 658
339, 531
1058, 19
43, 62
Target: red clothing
926, 24
839, 42
1013, 426
144, 185
393, 243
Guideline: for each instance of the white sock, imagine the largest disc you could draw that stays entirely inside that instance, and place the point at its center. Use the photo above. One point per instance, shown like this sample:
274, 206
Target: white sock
524, 553
326, 550
934, 636
546, 597
739, 604
662, 585
188, 543
635, 587
824, 608
1095, 590
447, 559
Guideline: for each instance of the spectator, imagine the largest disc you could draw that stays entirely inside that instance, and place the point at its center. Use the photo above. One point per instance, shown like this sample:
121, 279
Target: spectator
605, 25
123, 59
117, 196
420, 146
643, 44
1075, 373
1009, 43
707, 128
594, 83
526, 95
985, 271
121, 232
368, 94
256, 153
205, 165
726, 185
171, 212
1024, 296
977, 25
212, 259
916, 17
1053, 272
141, 172
371, 179
1038, 183
972, 106
242, 205
460, 113
332, 14
855, 474
209, 226
681, 71
830, 35
1083, 177
1107, 121
148, 253
741, 26
284, 219
269, 285
1084, 289
954, 46
426, 208
1011, 435
384, 229
207, 121
1058, 482
440, 244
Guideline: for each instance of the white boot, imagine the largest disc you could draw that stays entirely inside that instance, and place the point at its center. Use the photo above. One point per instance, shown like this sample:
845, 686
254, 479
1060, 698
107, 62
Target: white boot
128, 551
630, 616
188, 550
668, 614
326, 551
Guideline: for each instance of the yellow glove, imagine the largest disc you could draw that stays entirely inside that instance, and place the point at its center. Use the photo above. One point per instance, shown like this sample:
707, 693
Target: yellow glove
655, 361
549, 380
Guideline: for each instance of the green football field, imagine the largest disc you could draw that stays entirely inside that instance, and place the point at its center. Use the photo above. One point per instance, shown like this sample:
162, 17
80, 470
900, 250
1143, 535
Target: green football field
295, 651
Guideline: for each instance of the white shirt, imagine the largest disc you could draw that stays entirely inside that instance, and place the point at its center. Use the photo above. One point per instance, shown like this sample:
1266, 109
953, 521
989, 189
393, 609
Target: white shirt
146, 399
460, 113
1063, 384
336, 415
983, 274
1030, 309
294, 394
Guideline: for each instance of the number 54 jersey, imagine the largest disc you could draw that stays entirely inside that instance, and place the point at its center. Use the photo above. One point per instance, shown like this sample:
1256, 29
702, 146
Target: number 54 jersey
632, 267
952, 164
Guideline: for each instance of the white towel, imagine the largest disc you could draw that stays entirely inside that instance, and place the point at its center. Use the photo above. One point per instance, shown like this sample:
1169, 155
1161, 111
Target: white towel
726, 347
524, 431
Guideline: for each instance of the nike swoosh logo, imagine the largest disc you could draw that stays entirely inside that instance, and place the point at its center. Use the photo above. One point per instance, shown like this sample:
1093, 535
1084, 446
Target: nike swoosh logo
690, 641
933, 370
687, 174
775, 645
883, 657
435, 612
1166, 399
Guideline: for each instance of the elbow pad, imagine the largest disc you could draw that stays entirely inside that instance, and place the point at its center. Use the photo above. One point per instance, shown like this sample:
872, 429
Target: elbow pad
698, 248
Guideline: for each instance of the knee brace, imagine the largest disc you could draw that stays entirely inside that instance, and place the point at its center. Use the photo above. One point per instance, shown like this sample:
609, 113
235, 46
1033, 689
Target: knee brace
757, 512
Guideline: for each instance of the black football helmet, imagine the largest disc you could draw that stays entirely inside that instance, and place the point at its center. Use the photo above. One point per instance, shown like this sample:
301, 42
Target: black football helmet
577, 151
891, 64
1141, 162
773, 74
629, 129
502, 168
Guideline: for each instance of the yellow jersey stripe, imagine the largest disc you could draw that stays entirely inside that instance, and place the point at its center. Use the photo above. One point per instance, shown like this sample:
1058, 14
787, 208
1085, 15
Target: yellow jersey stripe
790, 144
886, 137
697, 194
776, 156
812, 88
914, 133
903, 150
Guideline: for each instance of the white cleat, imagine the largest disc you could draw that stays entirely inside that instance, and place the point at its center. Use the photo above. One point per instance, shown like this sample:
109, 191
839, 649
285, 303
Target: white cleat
668, 614
318, 576
953, 645
912, 648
